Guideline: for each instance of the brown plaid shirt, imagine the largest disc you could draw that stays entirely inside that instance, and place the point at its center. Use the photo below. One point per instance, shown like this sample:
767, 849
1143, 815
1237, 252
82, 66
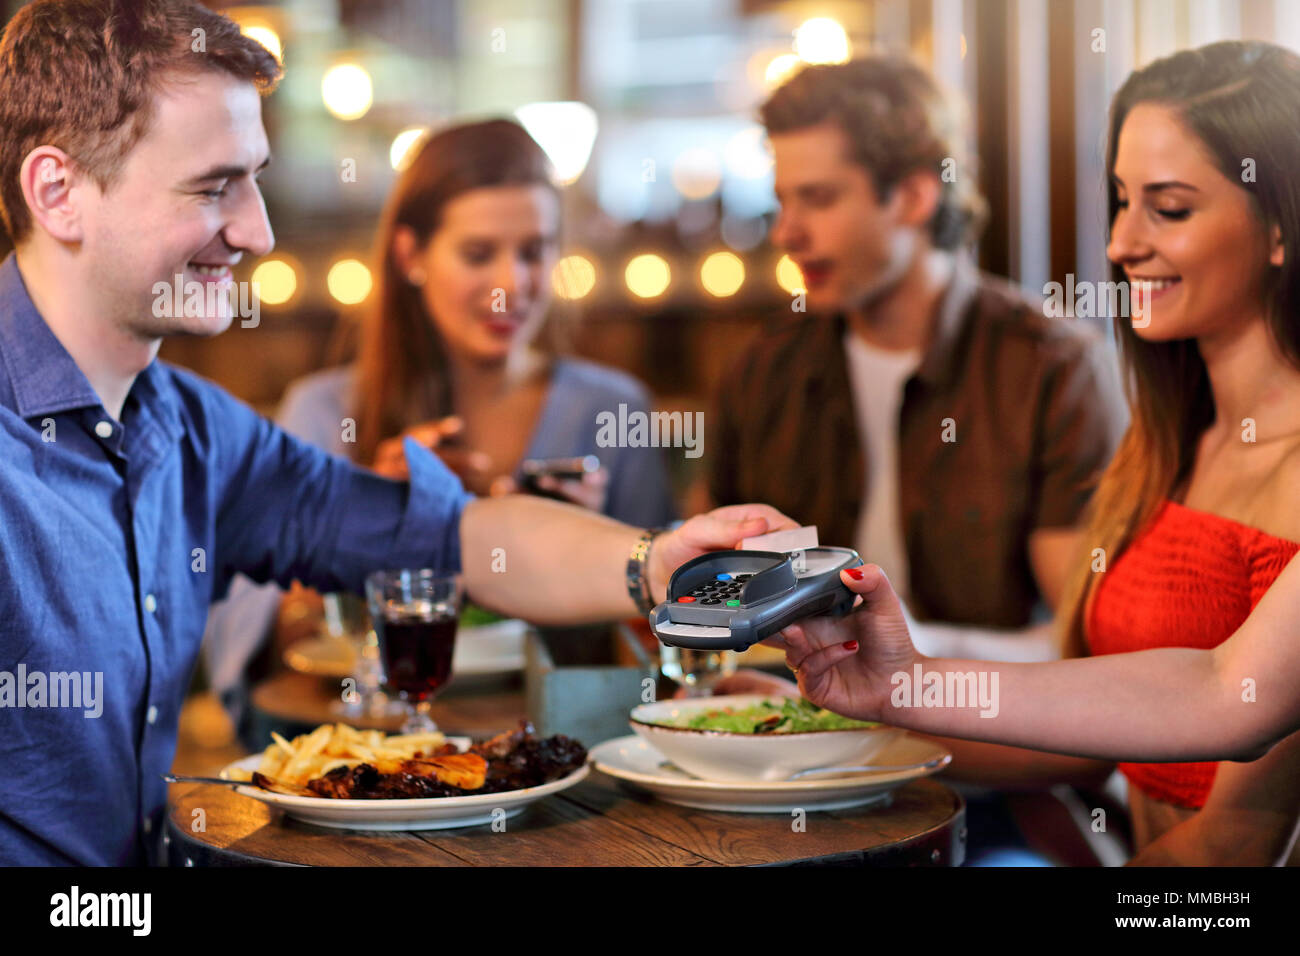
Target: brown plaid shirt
1036, 411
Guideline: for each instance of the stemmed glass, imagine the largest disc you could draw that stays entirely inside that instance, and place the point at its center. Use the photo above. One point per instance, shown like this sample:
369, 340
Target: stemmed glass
696, 671
348, 620
415, 613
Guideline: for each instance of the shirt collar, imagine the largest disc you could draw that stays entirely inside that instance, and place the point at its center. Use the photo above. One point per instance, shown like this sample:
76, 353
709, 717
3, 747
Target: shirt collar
954, 312
44, 378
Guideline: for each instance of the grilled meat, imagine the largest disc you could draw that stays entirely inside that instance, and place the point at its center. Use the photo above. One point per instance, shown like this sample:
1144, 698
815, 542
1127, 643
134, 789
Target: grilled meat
504, 743
534, 762
510, 761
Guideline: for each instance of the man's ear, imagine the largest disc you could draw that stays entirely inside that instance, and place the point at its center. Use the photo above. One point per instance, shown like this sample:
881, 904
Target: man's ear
1277, 252
50, 185
915, 197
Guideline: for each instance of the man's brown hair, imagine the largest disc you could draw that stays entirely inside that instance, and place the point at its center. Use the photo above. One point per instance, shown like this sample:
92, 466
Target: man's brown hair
81, 75
897, 120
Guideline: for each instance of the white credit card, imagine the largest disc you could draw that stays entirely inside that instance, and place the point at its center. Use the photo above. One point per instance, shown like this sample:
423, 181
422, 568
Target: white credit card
693, 630
798, 539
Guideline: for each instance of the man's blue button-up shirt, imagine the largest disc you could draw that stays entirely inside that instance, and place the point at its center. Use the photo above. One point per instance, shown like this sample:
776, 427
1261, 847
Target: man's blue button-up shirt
115, 536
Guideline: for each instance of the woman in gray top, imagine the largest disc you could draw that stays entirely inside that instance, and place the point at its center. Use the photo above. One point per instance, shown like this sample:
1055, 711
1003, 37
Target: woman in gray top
459, 355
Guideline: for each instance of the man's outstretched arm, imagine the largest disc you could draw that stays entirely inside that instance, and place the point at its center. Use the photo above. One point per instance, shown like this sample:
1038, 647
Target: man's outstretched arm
553, 563
290, 511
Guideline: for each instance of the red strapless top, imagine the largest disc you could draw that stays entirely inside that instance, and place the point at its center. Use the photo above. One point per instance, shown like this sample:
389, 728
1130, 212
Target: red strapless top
1189, 580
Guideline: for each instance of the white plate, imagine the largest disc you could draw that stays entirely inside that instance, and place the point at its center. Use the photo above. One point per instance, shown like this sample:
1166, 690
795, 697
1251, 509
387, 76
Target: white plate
633, 760
489, 649
432, 813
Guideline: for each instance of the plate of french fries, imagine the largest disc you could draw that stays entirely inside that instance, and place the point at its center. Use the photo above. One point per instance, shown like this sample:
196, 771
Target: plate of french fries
292, 764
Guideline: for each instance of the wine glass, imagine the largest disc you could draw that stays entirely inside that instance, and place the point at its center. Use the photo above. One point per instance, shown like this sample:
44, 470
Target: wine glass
696, 671
347, 619
415, 613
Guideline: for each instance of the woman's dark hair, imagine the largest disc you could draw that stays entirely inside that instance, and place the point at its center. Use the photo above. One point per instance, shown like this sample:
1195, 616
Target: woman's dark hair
1241, 100
402, 362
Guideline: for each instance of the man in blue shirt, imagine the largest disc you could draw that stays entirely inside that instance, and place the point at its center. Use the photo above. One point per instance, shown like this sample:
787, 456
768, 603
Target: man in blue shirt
131, 491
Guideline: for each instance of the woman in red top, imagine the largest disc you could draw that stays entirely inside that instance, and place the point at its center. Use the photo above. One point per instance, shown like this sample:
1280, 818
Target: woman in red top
1197, 512
1197, 515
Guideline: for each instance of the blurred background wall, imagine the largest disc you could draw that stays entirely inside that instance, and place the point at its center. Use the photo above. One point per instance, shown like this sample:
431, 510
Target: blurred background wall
648, 109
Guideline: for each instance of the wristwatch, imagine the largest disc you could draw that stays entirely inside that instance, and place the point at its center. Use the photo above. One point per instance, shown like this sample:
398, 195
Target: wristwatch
637, 585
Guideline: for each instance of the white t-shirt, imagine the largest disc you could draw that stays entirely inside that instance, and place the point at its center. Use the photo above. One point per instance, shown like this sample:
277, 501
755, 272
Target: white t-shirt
877, 377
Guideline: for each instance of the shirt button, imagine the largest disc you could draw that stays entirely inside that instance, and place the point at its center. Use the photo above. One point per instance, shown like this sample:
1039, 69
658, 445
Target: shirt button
152, 715
104, 429
150, 603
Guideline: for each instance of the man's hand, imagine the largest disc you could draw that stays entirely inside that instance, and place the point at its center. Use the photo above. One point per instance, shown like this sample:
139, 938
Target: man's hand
719, 530
567, 566
845, 664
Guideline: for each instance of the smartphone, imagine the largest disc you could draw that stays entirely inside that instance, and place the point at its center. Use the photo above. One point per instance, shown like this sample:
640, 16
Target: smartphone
571, 469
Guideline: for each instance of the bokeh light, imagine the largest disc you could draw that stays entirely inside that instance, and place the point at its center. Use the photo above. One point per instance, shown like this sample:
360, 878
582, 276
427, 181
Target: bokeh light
722, 274
780, 69
347, 91
821, 40
349, 281
748, 154
276, 281
789, 277
404, 148
566, 131
265, 36
697, 174
573, 277
647, 275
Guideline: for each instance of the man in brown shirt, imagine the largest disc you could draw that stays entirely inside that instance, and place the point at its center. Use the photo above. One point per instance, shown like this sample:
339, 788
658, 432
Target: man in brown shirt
1008, 415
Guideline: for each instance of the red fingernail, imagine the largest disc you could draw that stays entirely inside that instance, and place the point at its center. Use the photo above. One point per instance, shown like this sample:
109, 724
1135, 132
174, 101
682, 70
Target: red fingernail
854, 573
850, 645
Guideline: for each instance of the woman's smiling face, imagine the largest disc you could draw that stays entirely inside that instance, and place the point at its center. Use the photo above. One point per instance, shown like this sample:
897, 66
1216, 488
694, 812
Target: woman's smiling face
488, 268
1186, 229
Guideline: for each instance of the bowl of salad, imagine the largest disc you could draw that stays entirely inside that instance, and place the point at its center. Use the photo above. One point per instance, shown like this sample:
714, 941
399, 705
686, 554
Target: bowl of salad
751, 737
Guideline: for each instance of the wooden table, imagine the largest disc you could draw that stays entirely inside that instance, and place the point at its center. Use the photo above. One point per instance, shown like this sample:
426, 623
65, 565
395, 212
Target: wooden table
596, 823
599, 822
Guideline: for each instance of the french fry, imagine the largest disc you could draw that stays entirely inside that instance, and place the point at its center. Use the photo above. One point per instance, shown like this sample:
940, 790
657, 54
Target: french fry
310, 747
330, 746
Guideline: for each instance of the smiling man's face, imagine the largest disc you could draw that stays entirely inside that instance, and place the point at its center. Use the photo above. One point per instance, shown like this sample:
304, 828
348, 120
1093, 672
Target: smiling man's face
186, 203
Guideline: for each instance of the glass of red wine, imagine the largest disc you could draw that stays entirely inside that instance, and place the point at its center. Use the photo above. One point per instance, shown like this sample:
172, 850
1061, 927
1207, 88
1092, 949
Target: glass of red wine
415, 612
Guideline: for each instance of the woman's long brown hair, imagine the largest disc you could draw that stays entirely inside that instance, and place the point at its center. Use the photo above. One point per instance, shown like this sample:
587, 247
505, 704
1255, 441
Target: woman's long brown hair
1242, 101
402, 363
